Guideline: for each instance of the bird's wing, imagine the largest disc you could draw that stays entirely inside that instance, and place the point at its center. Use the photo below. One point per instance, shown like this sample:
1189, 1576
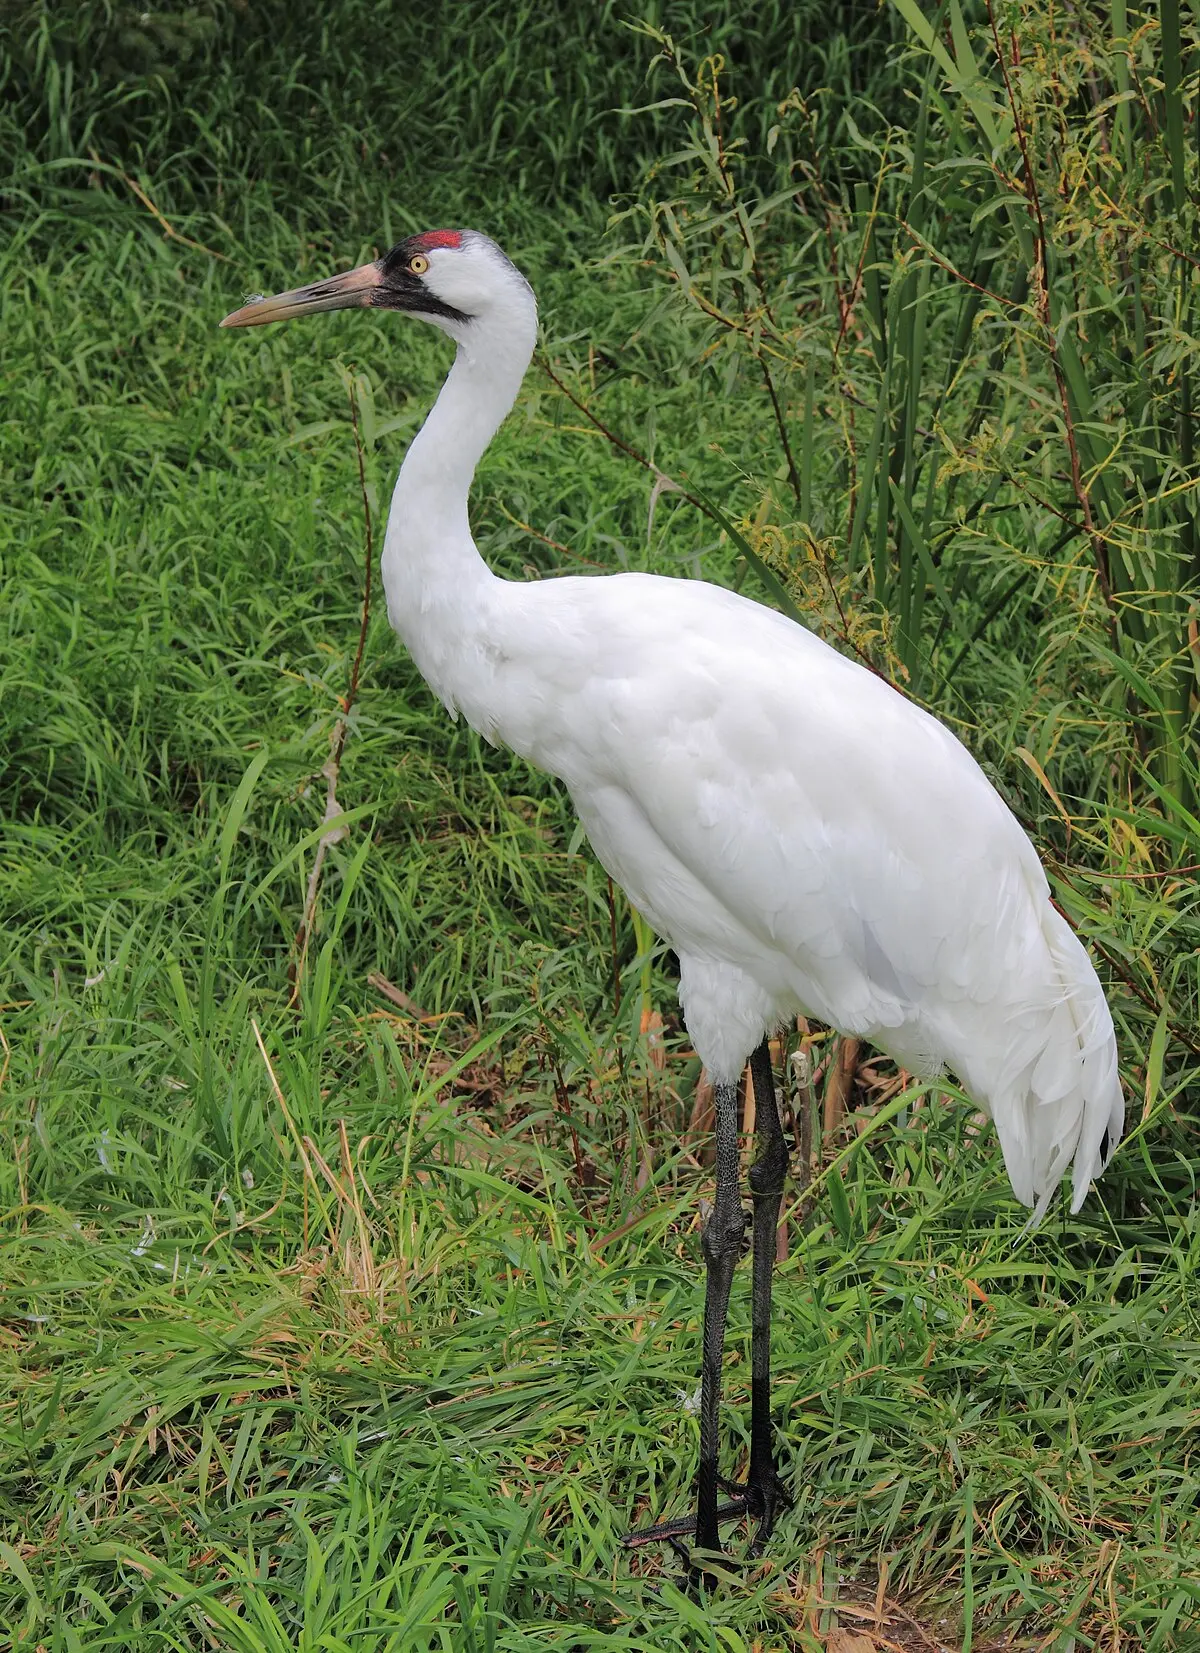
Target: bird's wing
828, 815
775, 807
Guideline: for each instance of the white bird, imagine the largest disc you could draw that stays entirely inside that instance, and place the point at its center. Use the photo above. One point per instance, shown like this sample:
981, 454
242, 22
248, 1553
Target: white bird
807, 840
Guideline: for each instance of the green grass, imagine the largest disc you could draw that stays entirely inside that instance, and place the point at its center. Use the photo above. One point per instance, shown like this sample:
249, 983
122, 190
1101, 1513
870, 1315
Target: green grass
312, 1334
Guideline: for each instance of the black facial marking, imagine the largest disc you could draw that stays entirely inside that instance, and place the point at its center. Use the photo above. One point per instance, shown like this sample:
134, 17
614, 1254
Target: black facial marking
402, 290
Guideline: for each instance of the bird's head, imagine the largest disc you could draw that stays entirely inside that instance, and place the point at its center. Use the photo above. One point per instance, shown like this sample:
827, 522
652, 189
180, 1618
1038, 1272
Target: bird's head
455, 279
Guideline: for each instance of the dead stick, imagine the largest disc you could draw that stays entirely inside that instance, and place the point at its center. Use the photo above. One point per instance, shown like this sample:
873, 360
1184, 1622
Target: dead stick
839, 1083
168, 228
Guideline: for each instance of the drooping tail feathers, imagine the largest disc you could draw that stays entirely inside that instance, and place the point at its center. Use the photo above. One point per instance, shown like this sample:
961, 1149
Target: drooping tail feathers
1059, 1101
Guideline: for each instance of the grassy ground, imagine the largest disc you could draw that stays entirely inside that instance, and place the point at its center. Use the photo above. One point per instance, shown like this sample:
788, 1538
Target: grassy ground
373, 1323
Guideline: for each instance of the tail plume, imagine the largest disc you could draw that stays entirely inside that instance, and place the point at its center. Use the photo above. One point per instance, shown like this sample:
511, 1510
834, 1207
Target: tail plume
1059, 1105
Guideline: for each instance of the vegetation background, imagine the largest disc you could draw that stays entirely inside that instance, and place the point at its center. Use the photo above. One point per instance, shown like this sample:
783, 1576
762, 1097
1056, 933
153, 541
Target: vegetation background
350, 1191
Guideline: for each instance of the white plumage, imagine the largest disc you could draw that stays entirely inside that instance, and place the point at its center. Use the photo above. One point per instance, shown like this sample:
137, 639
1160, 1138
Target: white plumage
805, 838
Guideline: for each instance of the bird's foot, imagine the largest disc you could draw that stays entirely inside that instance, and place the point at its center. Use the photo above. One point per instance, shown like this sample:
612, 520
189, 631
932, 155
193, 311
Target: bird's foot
698, 1564
766, 1499
762, 1498
684, 1526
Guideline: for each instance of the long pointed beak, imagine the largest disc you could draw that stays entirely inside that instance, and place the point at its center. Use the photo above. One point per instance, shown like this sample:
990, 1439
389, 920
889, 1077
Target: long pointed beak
341, 292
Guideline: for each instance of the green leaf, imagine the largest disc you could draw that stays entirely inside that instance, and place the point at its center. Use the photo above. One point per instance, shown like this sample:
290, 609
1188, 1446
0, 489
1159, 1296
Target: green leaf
236, 812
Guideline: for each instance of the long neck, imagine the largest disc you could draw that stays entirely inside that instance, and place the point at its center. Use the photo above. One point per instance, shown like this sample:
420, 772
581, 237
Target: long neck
439, 589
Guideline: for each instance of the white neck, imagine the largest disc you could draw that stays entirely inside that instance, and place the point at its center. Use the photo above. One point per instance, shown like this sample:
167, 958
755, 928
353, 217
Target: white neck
440, 592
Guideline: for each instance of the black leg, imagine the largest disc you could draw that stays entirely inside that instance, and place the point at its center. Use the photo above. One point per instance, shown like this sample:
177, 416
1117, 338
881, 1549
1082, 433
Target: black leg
722, 1241
765, 1492
764, 1495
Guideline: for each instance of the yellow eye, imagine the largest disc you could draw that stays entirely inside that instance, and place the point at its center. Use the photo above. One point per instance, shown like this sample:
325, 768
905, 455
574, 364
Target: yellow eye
418, 264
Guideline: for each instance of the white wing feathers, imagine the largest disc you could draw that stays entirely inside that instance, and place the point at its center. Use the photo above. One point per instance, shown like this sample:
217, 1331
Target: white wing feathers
779, 812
